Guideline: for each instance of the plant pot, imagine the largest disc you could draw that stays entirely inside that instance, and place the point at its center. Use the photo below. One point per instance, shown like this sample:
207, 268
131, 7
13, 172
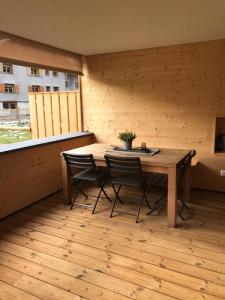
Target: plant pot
127, 145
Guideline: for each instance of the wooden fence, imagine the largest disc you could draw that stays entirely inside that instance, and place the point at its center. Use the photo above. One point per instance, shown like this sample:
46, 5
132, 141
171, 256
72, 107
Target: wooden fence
54, 113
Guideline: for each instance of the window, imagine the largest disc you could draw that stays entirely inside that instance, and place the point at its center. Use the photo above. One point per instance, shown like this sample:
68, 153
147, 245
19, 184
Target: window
9, 105
47, 72
71, 81
76, 82
36, 88
34, 71
9, 88
48, 88
55, 88
7, 68
55, 74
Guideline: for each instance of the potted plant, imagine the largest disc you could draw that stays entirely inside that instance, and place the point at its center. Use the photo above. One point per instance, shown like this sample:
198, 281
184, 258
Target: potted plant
127, 137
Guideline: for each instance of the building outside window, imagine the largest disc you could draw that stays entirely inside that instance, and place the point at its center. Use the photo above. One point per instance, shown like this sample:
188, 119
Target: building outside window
34, 71
7, 69
55, 74
36, 88
76, 82
48, 88
9, 105
9, 88
55, 88
47, 73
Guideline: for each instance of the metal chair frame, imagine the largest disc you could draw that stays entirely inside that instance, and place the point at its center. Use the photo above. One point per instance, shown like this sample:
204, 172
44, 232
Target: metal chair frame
89, 173
161, 180
124, 171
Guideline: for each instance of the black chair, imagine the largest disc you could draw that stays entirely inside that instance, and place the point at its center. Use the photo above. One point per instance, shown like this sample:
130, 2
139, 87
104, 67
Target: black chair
156, 180
126, 171
88, 173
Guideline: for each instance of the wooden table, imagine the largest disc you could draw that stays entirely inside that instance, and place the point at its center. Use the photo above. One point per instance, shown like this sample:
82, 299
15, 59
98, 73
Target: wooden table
164, 162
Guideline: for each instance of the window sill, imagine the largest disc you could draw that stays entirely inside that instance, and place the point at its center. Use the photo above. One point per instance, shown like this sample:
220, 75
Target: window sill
41, 142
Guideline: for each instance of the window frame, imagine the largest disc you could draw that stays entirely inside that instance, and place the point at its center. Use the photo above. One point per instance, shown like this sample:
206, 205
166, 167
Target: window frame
9, 104
35, 73
34, 86
7, 68
9, 88
55, 73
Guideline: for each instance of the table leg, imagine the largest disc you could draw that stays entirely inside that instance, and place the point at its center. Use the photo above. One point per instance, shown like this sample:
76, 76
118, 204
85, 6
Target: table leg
172, 197
66, 183
186, 185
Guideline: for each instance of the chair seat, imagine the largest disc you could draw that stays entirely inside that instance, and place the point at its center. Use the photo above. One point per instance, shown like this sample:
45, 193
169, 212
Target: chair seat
127, 181
90, 175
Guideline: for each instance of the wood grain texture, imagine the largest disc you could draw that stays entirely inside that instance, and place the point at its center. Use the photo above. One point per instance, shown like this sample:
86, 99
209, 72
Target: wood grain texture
165, 161
25, 52
50, 252
31, 174
54, 113
169, 96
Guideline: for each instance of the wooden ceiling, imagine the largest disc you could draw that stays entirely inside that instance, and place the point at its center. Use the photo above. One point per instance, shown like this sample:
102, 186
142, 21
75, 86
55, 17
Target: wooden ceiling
101, 26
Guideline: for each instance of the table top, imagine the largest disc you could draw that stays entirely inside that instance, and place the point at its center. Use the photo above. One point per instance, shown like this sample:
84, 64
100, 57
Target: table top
165, 158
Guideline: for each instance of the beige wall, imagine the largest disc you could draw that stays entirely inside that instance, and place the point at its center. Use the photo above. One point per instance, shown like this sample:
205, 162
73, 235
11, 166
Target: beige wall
169, 96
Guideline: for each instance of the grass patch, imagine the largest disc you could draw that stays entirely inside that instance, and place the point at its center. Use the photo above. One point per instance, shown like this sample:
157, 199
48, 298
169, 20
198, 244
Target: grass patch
14, 136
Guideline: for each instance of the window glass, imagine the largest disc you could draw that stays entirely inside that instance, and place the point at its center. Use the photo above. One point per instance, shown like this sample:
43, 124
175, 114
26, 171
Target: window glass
9, 88
55, 74
9, 105
35, 88
34, 71
7, 68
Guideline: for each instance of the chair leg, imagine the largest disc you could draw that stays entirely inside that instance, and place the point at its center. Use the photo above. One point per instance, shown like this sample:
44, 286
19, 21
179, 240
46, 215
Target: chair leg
80, 190
114, 203
180, 211
75, 196
157, 204
146, 200
116, 197
117, 192
104, 192
139, 208
96, 202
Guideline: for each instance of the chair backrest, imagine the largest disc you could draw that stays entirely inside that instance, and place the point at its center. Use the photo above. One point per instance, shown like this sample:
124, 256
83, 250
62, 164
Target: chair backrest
187, 160
118, 165
184, 164
79, 162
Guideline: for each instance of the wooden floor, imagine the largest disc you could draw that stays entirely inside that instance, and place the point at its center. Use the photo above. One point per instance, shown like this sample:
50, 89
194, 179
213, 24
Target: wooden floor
50, 252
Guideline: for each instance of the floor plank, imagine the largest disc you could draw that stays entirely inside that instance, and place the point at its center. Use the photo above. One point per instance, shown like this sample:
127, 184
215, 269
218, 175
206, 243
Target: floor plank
50, 252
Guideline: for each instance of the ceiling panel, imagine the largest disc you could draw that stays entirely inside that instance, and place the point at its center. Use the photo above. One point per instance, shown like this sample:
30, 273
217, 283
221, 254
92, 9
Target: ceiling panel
102, 26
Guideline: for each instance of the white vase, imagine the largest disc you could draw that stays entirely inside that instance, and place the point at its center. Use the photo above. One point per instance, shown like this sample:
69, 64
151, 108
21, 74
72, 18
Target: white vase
127, 145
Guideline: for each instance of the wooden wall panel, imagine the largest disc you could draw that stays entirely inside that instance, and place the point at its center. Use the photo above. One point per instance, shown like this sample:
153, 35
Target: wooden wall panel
56, 116
48, 115
40, 116
54, 113
169, 96
33, 113
31, 174
64, 112
72, 112
25, 52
